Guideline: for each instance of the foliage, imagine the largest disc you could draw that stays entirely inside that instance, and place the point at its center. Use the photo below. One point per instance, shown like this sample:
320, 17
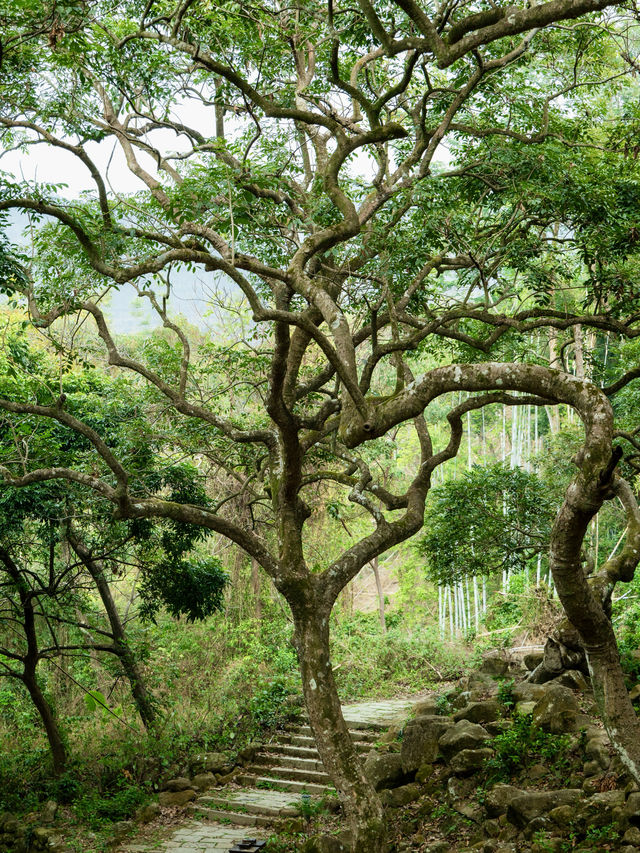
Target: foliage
491, 519
524, 744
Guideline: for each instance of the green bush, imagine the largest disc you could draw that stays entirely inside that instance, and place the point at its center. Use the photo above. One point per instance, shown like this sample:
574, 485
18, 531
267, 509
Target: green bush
525, 744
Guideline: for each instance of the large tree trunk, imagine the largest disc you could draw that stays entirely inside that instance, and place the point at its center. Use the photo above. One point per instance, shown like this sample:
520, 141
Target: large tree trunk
141, 695
586, 602
360, 801
54, 736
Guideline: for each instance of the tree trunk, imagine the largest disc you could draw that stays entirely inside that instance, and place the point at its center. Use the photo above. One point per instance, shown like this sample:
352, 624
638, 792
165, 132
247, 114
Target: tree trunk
376, 574
141, 695
54, 736
361, 803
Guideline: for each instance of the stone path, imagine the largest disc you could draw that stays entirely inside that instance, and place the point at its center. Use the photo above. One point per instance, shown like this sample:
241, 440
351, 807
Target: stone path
197, 838
283, 774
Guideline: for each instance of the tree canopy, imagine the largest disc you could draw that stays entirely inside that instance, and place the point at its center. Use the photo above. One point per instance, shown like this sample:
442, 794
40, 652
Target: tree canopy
414, 202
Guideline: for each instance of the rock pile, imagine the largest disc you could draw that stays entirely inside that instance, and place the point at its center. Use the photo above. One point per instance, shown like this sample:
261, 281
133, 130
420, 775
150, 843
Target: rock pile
453, 772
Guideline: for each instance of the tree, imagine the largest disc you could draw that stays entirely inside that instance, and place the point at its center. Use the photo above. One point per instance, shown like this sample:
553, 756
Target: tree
309, 173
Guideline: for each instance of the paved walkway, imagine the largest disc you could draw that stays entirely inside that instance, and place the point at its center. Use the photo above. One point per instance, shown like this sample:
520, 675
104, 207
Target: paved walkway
213, 837
198, 838
384, 712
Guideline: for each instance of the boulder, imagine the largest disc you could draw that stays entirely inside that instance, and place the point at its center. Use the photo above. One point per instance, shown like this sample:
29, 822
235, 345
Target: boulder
533, 659
420, 741
48, 811
599, 809
632, 836
499, 664
426, 708
323, 844
632, 808
468, 761
462, 735
401, 796
525, 691
384, 771
176, 798
596, 750
529, 805
203, 781
557, 711
424, 773
210, 762
499, 797
179, 784
147, 813
480, 712
573, 679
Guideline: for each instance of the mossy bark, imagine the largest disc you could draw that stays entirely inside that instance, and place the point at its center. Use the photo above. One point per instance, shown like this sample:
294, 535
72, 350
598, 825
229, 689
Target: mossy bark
360, 801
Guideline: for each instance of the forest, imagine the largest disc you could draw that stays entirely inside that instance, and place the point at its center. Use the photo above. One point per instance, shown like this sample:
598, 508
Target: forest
320, 349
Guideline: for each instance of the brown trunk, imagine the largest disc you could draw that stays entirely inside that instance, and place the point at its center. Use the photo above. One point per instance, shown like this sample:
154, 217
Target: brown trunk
583, 604
257, 588
376, 574
579, 351
360, 801
56, 743
141, 696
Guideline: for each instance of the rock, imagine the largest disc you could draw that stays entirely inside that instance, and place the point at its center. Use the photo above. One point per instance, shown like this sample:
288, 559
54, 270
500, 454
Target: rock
469, 760
499, 797
563, 816
48, 811
525, 708
598, 809
426, 708
532, 659
384, 771
632, 836
459, 788
323, 844
535, 804
392, 734
537, 771
634, 693
591, 768
179, 784
597, 751
248, 753
557, 711
632, 808
497, 664
203, 781
401, 796
176, 798
525, 691
480, 712
462, 735
573, 679
420, 741
291, 825
210, 762
147, 813
424, 773
121, 829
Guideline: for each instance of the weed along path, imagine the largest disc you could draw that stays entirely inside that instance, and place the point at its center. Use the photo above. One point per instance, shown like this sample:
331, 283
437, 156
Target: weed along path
282, 782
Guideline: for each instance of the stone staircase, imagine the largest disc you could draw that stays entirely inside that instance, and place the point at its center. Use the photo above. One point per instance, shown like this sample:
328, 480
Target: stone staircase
281, 773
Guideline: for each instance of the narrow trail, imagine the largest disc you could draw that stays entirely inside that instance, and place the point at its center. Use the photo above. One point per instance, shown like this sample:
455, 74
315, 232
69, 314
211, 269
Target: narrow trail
274, 784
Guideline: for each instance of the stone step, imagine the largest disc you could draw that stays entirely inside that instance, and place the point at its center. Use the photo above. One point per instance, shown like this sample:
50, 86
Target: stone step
308, 742
364, 733
250, 807
224, 816
313, 765
294, 751
292, 774
284, 784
